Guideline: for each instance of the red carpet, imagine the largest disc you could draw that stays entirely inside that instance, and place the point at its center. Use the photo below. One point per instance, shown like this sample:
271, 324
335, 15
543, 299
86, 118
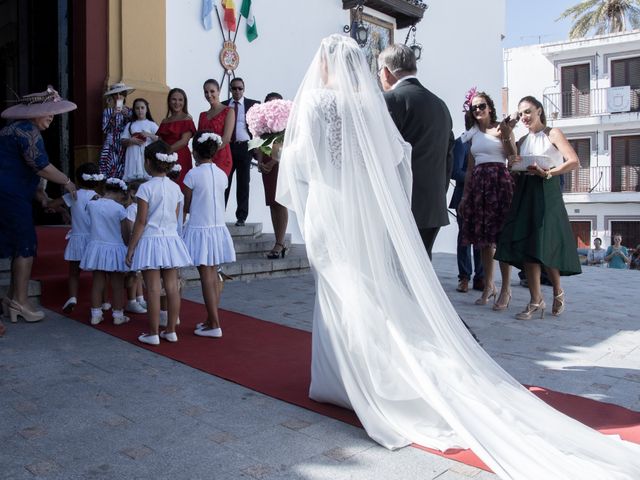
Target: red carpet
270, 358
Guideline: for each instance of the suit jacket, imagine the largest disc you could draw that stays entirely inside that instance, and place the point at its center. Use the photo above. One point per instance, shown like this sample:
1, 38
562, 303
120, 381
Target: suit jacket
424, 121
248, 103
460, 154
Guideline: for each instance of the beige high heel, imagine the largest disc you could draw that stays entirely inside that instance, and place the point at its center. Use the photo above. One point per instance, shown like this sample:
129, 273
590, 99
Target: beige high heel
498, 307
559, 301
530, 309
16, 310
484, 300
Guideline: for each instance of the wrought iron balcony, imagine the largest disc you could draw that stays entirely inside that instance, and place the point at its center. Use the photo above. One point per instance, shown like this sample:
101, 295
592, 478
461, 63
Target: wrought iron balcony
586, 103
603, 179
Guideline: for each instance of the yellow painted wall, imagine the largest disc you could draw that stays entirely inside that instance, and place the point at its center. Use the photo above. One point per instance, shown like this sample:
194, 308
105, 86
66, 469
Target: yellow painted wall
137, 52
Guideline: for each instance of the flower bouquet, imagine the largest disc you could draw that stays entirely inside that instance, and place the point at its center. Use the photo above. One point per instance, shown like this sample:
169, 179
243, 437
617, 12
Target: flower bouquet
267, 122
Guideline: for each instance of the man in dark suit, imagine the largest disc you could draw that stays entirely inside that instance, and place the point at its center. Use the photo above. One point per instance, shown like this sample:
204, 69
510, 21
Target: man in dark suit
424, 122
240, 154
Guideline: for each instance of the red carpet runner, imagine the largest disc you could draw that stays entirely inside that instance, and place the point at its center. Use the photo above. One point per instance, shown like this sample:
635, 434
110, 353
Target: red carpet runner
270, 358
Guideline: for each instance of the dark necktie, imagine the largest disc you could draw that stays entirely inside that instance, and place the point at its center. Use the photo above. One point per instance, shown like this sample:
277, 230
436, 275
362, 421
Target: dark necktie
235, 109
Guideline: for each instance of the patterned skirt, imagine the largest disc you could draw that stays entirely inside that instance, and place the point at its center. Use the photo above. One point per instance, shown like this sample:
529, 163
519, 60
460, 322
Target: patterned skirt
487, 204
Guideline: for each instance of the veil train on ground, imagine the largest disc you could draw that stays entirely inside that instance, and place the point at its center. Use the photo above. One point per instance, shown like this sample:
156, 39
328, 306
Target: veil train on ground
386, 340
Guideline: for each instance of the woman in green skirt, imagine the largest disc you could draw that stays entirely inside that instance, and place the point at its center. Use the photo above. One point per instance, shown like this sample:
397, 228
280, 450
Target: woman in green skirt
537, 232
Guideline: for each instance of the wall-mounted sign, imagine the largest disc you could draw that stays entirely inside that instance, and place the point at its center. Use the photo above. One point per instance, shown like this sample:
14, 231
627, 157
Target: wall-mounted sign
619, 99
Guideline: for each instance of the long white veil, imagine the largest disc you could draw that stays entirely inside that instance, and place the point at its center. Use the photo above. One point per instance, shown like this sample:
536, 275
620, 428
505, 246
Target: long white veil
386, 341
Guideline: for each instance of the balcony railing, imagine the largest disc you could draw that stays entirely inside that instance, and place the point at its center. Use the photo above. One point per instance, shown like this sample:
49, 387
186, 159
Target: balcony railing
586, 103
603, 179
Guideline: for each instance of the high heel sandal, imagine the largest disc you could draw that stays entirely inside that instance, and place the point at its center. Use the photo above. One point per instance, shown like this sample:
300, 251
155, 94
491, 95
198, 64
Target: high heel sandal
559, 301
530, 309
499, 306
277, 253
16, 310
483, 300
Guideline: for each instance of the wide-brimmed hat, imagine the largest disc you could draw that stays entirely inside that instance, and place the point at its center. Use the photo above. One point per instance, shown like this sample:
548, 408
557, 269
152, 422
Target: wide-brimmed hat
39, 104
118, 88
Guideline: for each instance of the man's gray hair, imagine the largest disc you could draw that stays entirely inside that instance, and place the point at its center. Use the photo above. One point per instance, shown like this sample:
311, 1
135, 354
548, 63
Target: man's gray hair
398, 58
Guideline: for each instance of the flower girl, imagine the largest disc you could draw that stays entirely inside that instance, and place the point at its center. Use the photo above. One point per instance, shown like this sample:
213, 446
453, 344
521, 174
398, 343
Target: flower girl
206, 234
133, 280
88, 178
155, 246
106, 250
137, 134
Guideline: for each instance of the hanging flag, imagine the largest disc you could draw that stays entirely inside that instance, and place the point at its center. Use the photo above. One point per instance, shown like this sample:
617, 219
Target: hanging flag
207, 8
247, 12
229, 15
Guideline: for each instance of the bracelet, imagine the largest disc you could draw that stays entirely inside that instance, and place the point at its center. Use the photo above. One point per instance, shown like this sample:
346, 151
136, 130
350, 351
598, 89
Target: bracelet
67, 182
548, 175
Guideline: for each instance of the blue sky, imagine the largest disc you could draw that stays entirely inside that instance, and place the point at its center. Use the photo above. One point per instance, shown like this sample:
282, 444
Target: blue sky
533, 21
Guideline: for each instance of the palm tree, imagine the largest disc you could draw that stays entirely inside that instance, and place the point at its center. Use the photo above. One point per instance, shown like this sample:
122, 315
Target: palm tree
602, 16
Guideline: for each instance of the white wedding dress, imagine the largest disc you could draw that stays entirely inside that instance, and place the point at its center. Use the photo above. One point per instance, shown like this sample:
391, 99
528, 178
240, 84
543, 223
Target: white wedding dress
386, 340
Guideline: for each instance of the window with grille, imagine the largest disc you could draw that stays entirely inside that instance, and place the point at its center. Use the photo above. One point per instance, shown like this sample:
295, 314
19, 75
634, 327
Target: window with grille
627, 72
630, 231
625, 163
575, 85
579, 180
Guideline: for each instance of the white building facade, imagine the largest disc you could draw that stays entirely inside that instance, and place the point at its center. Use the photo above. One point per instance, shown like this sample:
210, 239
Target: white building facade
590, 89
289, 35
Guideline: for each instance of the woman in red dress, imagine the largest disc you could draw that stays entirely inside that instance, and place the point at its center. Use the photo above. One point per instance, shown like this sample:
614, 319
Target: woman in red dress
219, 119
177, 129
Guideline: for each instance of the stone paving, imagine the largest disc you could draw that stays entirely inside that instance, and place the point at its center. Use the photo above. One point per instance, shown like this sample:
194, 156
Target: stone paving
79, 404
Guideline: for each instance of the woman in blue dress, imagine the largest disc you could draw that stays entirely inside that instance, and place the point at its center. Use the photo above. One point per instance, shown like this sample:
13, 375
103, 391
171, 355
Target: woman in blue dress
23, 164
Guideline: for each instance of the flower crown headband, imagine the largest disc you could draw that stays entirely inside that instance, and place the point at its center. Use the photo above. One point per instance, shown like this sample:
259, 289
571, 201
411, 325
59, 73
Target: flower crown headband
466, 106
210, 136
167, 157
94, 177
118, 182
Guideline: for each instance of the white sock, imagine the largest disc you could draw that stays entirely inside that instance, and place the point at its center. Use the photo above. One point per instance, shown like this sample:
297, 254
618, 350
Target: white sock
140, 299
96, 312
118, 314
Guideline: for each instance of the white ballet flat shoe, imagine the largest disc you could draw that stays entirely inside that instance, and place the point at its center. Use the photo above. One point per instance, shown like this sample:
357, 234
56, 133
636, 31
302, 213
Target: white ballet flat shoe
134, 307
149, 339
209, 332
69, 305
120, 320
169, 336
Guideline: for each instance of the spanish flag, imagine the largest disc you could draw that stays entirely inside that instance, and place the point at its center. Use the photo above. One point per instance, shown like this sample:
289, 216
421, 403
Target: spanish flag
229, 15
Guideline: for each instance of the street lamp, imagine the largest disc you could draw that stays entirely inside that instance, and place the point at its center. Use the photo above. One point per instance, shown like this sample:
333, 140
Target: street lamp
358, 30
416, 48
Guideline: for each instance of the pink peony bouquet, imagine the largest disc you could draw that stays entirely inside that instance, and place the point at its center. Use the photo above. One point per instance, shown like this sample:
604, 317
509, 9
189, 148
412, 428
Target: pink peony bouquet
267, 122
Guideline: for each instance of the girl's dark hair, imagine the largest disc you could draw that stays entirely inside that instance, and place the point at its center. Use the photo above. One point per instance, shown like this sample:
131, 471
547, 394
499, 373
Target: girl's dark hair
185, 109
150, 151
469, 119
206, 149
135, 184
88, 168
113, 187
173, 175
536, 102
272, 96
212, 82
133, 111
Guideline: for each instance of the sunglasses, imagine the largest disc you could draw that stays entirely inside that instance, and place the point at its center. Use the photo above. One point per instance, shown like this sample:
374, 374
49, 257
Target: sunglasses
481, 106
237, 88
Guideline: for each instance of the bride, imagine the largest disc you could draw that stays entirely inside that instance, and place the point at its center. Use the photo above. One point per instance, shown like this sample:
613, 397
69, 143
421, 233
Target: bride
387, 342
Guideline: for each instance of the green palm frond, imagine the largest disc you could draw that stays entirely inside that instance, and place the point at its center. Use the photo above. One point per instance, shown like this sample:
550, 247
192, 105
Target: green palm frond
602, 16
